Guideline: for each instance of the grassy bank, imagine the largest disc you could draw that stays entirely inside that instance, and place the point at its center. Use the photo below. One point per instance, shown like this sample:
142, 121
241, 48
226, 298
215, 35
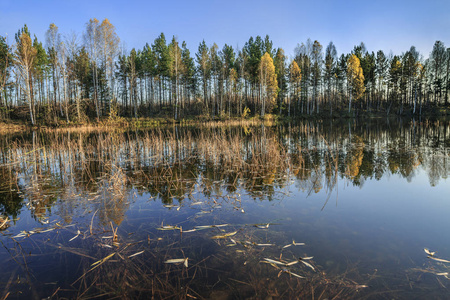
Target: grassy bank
209, 121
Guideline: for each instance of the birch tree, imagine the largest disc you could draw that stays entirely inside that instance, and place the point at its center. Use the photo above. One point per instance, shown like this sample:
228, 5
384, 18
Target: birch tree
268, 82
91, 41
109, 43
53, 39
24, 58
355, 79
175, 53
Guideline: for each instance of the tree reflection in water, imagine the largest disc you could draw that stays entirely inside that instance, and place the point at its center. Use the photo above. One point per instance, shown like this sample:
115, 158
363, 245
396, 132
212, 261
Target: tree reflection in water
99, 173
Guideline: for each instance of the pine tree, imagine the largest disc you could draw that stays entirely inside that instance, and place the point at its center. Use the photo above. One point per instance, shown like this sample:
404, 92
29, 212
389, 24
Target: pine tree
162, 56
316, 56
228, 64
330, 67
437, 59
381, 73
188, 76
5, 62
131, 61
395, 74
175, 70
280, 70
204, 69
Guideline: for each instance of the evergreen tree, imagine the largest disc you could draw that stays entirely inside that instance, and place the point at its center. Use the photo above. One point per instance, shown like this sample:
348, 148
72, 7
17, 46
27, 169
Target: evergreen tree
295, 78
5, 62
162, 56
437, 59
281, 71
188, 74
175, 71
329, 72
204, 69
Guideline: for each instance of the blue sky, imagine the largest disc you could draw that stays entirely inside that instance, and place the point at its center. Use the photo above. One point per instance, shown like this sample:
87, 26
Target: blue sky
381, 25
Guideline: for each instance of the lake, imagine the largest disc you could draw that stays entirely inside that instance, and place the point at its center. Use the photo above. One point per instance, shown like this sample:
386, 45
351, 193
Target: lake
321, 209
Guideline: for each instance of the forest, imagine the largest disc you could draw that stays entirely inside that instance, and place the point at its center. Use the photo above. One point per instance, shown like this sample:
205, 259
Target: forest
90, 77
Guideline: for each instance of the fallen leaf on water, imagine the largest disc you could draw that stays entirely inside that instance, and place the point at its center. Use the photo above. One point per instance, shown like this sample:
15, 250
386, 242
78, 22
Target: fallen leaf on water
307, 264
274, 261
427, 251
135, 254
222, 236
439, 259
101, 261
178, 261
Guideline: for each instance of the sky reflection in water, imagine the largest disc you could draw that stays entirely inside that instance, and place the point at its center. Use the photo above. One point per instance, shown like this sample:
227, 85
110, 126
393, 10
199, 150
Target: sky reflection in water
373, 214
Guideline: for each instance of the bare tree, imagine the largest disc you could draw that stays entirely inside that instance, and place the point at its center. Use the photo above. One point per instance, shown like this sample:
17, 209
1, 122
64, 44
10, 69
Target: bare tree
53, 39
24, 59
91, 40
109, 46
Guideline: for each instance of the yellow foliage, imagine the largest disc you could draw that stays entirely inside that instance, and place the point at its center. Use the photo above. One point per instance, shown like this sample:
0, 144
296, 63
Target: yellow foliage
355, 76
355, 157
268, 77
246, 112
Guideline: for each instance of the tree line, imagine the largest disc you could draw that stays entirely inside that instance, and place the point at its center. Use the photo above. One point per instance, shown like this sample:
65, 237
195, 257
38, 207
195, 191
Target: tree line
77, 78
361, 151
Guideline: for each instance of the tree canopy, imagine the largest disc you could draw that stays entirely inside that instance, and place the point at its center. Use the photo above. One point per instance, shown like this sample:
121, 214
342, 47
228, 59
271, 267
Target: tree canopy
67, 80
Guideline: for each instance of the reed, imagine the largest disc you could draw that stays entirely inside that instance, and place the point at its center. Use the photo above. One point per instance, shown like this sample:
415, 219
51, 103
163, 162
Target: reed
96, 174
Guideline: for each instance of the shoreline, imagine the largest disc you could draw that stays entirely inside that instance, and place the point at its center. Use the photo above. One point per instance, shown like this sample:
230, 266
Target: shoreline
155, 122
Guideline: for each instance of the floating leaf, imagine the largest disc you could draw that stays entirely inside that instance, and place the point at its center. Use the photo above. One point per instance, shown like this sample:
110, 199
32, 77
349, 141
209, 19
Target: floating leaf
439, 259
307, 264
297, 244
78, 233
293, 274
4, 222
307, 258
225, 235
168, 227
210, 226
101, 261
429, 252
178, 261
170, 206
274, 261
293, 244
135, 254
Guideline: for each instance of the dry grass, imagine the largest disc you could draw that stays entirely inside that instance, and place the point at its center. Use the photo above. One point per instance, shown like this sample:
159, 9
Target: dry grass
11, 127
102, 170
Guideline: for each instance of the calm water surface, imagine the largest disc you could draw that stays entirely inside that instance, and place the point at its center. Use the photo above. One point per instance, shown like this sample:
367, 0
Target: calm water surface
227, 212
